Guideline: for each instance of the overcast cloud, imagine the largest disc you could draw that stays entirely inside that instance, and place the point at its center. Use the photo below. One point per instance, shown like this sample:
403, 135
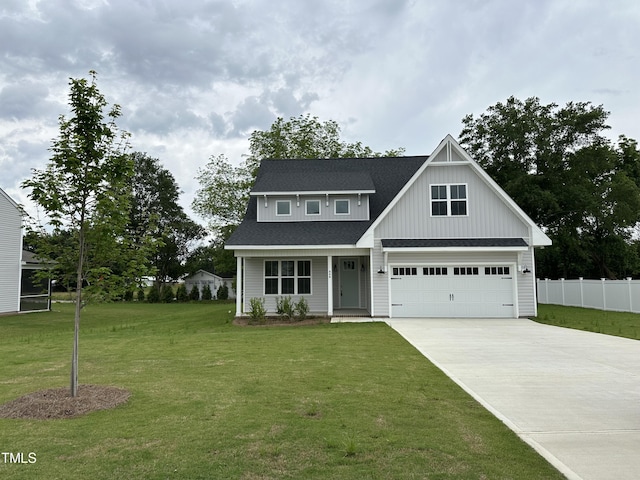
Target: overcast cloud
195, 77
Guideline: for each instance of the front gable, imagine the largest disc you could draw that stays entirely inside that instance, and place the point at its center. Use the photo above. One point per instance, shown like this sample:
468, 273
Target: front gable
488, 211
486, 214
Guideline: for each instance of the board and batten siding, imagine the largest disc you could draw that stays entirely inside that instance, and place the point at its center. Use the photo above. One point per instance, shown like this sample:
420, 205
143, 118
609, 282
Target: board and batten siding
488, 216
10, 254
298, 209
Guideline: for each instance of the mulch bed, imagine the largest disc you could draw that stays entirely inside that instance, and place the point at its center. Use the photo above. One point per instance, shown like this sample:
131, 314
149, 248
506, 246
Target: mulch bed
279, 322
58, 403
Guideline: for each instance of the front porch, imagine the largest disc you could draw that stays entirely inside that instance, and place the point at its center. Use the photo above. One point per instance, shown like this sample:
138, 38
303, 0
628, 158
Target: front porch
332, 285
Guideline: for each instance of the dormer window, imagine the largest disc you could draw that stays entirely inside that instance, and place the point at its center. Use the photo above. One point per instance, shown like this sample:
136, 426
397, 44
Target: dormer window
342, 207
283, 207
312, 207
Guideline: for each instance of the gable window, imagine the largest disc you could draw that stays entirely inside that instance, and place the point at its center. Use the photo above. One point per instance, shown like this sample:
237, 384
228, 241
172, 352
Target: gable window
449, 200
283, 207
287, 277
312, 207
342, 207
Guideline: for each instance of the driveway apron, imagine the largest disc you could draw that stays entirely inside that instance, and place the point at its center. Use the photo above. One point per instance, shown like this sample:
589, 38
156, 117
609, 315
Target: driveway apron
574, 396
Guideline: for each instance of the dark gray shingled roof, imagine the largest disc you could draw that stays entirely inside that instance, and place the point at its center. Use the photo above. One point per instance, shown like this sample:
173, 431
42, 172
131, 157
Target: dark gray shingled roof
312, 181
452, 242
385, 175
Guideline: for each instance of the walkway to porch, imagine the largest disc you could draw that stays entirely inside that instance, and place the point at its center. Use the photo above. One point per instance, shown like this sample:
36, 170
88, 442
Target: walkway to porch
353, 315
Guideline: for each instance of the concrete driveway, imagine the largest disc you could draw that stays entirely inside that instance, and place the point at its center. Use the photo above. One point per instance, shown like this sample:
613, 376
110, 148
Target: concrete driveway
574, 396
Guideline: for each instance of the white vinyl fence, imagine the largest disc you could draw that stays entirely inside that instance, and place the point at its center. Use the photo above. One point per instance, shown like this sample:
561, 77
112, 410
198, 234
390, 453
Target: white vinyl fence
616, 295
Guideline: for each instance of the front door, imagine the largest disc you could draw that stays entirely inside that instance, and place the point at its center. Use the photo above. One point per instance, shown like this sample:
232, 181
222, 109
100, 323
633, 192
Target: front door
349, 283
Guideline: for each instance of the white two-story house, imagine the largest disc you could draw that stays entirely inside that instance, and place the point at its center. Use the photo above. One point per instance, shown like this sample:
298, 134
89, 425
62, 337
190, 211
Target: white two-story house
428, 236
10, 253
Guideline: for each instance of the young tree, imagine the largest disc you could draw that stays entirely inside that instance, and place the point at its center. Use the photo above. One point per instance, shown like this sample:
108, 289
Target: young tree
223, 292
83, 189
206, 292
194, 294
181, 293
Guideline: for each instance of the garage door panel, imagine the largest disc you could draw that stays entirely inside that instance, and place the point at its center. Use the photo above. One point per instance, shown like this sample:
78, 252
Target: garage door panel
454, 292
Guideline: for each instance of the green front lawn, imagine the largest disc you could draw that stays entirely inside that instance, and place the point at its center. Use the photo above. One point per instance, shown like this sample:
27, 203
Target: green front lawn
214, 400
621, 324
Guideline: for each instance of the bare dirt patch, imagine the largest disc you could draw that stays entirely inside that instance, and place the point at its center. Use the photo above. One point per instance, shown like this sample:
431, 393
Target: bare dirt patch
58, 403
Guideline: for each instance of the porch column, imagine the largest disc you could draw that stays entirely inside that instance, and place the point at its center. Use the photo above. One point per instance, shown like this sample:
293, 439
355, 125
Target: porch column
329, 285
371, 279
238, 286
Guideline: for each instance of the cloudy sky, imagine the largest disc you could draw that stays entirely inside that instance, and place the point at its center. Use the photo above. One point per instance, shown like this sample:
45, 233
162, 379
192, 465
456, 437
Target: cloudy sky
196, 77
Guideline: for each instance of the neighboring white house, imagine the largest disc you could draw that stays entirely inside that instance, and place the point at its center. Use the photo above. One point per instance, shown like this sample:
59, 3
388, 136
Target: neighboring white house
387, 237
10, 253
202, 278
35, 293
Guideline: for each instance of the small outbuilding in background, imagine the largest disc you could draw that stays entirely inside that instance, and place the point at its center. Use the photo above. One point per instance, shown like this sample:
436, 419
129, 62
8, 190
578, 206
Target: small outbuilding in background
202, 278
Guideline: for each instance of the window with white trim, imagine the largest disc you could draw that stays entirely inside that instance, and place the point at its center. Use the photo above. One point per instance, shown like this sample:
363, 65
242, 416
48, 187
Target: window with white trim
449, 200
283, 207
287, 277
312, 207
342, 207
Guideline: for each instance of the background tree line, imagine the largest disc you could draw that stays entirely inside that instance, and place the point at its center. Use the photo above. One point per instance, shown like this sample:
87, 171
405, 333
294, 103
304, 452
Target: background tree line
580, 187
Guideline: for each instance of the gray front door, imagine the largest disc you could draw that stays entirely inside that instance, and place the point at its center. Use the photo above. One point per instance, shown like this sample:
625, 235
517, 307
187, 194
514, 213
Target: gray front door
349, 289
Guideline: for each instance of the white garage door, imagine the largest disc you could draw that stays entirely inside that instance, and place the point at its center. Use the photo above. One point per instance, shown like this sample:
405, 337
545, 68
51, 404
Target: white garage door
452, 291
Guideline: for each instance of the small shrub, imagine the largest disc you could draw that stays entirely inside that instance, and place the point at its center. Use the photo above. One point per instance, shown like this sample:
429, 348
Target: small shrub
284, 307
181, 293
206, 293
302, 309
223, 292
140, 295
257, 312
154, 295
128, 296
194, 294
166, 294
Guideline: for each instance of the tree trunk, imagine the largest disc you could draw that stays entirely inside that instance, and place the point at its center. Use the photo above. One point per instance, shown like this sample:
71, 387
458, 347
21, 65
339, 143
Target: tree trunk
76, 326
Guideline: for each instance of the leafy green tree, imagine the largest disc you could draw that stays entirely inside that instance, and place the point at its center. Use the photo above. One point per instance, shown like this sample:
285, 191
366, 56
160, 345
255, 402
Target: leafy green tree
224, 188
154, 295
194, 294
211, 258
206, 293
223, 195
166, 293
557, 164
181, 293
156, 214
83, 190
223, 292
306, 137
